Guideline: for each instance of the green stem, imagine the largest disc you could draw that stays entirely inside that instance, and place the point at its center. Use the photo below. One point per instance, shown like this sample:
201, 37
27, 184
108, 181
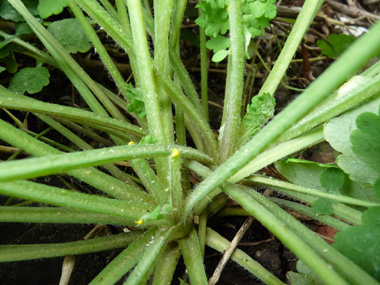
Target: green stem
358, 54
58, 215
299, 208
274, 183
175, 186
10, 253
204, 66
99, 47
304, 19
144, 65
290, 238
235, 83
91, 176
53, 164
351, 271
150, 255
67, 198
193, 258
125, 261
164, 271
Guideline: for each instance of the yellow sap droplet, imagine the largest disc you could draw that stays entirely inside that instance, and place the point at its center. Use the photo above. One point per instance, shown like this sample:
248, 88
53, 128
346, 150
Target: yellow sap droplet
131, 143
139, 222
229, 7
175, 152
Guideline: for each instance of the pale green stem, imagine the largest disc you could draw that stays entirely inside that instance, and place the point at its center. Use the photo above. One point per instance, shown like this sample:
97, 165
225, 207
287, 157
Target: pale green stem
149, 257
165, 268
35, 251
304, 19
358, 54
299, 208
58, 215
204, 65
235, 83
91, 176
125, 261
193, 258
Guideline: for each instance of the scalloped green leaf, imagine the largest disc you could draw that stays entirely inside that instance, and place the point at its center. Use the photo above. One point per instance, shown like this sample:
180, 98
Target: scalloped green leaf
335, 45
218, 43
70, 34
30, 80
46, 8
337, 132
361, 244
366, 139
258, 113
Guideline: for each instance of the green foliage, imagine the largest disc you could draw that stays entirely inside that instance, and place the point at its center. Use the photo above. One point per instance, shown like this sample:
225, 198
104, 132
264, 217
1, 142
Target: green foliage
9, 13
7, 57
332, 179
46, 8
70, 34
136, 101
335, 45
304, 276
214, 20
361, 244
323, 206
148, 140
258, 113
30, 80
338, 131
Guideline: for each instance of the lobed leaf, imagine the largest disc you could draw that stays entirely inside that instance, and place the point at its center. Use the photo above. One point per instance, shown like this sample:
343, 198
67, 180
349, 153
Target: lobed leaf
71, 35
335, 45
258, 113
30, 79
46, 8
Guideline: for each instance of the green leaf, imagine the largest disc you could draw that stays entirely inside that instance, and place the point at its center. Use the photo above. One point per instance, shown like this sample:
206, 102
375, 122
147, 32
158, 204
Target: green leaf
30, 80
136, 101
361, 244
220, 55
70, 34
22, 28
2, 69
218, 43
307, 173
323, 206
46, 8
304, 277
148, 140
214, 20
371, 216
258, 113
332, 179
301, 173
366, 139
257, 15
9, 13
337, 132
335, 45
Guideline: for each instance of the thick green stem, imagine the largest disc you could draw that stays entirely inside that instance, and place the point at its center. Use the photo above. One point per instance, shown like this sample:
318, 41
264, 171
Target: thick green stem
358, 54
35, 251
193, 258
304, 19
235, 83
125, 261
164, 271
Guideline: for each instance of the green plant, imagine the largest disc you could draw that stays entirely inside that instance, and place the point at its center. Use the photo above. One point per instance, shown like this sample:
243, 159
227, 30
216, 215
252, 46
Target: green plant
167, 213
